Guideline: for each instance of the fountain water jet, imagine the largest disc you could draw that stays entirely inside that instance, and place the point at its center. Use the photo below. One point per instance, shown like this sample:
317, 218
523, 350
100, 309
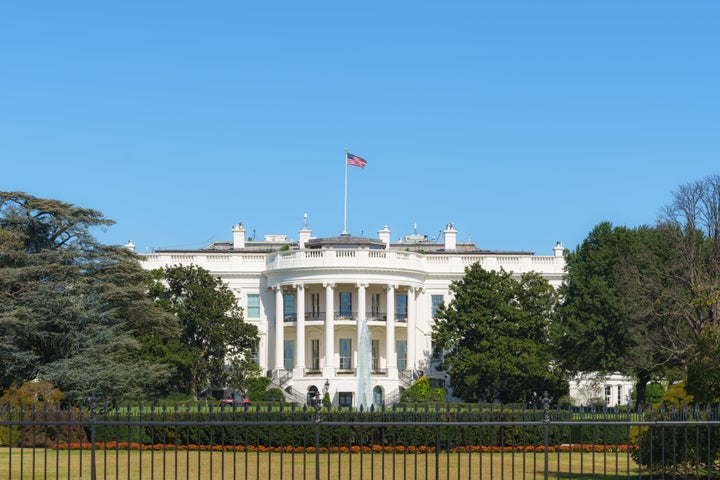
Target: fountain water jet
364, 366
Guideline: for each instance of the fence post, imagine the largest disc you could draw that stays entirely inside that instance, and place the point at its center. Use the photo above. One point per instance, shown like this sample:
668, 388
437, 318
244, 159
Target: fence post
93, 406
546, 427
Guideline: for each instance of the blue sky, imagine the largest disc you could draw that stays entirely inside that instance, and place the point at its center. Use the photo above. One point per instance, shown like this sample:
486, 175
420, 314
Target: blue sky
523, 123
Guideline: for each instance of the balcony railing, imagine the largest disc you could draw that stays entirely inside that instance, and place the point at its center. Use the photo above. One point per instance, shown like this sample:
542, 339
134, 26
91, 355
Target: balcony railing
343, 315
345, 371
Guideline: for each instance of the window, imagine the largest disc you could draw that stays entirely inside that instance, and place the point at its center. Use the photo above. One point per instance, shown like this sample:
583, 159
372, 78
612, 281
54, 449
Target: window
401, 349
315, 305
315, 347
375, 354
436, 352
378, 397
253, 305
255, 353
375, 305
619, 395
311, 394
345, 399
436, 300
289, 307
608, 394
345, 354
289, 354
401, 302
345, 305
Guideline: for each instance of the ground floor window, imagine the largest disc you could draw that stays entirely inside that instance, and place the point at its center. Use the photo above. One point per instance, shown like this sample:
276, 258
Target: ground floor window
375, 354
289, 354
315, 347
345, 354
345, 399
377, 397
401, 349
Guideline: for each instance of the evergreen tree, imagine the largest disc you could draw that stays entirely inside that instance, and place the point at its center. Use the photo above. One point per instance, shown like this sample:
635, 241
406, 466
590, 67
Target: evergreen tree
71, 309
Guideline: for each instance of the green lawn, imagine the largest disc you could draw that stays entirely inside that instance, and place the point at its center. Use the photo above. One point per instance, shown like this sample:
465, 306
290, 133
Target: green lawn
41, 463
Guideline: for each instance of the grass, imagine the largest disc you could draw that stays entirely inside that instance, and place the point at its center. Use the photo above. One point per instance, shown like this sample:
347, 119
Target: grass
41, 463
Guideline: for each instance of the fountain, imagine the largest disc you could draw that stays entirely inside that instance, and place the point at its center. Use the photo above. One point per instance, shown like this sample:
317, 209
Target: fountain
364, 366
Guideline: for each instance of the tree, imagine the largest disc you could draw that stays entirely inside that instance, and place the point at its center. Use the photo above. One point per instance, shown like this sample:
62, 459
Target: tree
589, 332
67, 302
214, 340
600, 327
494, 333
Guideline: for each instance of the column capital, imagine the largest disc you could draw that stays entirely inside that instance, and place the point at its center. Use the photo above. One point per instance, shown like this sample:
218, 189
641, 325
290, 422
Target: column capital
391, 286
362, 285
298, 286
328, 284
275, 288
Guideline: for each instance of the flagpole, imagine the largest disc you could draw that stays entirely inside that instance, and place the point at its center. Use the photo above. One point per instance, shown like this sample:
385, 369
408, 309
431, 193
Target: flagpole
344, 232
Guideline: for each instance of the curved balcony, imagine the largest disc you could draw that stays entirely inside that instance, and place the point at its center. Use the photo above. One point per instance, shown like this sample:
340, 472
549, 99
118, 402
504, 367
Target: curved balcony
341, 258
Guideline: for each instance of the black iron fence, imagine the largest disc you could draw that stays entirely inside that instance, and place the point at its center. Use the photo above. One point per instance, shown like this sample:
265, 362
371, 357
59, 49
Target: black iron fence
419, 442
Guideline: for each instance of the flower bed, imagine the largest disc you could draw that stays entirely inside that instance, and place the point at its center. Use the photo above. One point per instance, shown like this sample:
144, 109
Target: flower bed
398, 449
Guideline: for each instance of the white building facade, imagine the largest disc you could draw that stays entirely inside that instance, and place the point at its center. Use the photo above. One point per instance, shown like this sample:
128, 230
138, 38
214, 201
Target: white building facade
350, 313
594, 388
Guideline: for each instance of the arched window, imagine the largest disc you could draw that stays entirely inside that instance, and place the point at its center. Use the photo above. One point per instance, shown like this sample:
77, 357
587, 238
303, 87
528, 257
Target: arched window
311, 393
378, 397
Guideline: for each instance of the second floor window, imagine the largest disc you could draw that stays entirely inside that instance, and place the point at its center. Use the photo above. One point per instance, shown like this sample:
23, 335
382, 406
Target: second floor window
315, 305
253, 305
289, 307
437, 300
401, 302
345, 305
374, 304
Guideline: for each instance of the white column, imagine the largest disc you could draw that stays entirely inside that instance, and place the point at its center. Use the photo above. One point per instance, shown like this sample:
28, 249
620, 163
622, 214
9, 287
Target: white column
411, 321
390, 333
329, 368
361, 315
279, 326
300, 331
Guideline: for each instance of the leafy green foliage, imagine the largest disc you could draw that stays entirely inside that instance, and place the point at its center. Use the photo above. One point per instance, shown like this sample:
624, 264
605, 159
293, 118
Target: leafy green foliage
494, 333
654, 393
213, 335
703, 378
69, 304
422, 392
590, 330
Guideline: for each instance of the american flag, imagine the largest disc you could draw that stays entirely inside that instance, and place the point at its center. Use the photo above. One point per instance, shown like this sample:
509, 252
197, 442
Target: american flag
355, 161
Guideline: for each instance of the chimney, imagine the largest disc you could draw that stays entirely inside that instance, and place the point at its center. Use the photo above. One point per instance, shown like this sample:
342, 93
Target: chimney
558, 249
303, 236
238, 236
304, 233
450, 237
384, 236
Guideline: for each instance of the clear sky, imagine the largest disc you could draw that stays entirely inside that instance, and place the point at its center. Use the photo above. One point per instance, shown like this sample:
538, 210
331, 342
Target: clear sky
523, 122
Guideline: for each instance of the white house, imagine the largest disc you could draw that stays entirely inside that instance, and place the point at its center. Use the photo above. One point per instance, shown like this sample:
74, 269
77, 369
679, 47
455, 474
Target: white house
612, 389
348, 312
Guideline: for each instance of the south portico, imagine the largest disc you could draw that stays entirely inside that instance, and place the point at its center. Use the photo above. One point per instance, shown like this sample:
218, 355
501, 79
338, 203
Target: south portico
318, 327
